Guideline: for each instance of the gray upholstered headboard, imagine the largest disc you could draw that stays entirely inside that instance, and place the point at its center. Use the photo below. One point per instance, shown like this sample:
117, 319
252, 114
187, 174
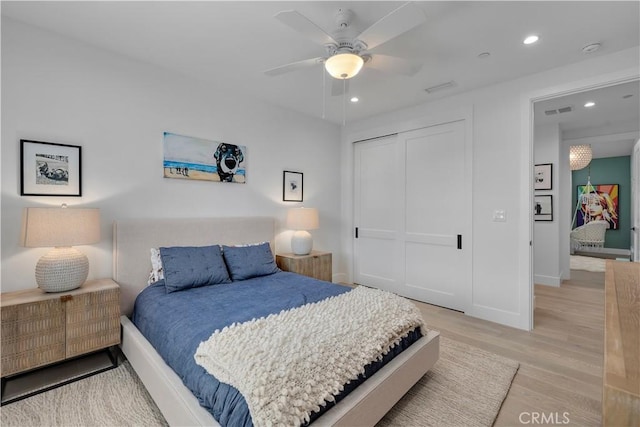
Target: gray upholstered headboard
133, 238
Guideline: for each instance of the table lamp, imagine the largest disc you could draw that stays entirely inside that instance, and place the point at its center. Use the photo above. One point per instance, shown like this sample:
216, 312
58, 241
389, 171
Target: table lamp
63, 268
302, 220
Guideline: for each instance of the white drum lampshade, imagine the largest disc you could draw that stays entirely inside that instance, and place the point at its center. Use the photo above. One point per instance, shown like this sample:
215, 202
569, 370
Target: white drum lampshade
302, 220
579, 156
63, 268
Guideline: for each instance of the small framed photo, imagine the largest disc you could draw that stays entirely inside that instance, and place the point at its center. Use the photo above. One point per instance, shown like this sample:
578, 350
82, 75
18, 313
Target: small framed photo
542, 177
49, 169
543, 208
292, 186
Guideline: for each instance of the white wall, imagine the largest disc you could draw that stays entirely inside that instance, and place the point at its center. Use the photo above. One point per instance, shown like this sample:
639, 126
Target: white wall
546, 234
502, 174
55, 89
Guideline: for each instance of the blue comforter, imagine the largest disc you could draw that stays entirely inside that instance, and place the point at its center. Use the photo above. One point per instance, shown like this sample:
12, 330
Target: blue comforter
176, 323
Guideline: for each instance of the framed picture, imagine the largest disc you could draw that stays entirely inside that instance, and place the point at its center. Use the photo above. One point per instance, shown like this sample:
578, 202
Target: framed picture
542, 177
292, 186
49, 169
599, 202
543, 208
186, 157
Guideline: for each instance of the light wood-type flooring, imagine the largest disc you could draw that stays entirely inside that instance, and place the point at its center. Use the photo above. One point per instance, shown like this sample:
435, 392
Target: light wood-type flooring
561, 360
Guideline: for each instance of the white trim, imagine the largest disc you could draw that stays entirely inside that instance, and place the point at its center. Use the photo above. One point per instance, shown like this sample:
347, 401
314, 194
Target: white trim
492, 314
539, 279
440, 118
340, 278
525, 252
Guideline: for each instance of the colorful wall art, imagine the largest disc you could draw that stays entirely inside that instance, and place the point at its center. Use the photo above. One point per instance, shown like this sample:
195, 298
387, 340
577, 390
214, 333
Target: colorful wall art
600, 202
186, 157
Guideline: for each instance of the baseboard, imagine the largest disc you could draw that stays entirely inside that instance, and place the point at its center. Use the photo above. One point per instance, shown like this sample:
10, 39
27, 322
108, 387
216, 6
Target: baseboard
539, 279
339, 278
608, 253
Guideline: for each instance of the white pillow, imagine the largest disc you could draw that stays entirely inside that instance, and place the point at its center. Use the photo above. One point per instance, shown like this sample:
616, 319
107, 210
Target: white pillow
156, 267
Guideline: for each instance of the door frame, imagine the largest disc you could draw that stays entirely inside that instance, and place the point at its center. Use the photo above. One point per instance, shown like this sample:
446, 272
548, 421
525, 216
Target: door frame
635, 202
525, 240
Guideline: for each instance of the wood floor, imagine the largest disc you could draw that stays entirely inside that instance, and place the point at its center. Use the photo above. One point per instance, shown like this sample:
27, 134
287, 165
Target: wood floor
561, 360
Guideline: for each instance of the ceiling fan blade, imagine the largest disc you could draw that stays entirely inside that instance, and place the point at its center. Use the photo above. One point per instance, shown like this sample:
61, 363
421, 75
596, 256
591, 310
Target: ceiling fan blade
293, 66
393, 64
392, 25
303, 25
339, 87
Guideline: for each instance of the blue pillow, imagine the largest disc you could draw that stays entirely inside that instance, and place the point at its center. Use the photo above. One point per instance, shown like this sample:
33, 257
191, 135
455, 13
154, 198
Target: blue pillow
245, 262
188, 267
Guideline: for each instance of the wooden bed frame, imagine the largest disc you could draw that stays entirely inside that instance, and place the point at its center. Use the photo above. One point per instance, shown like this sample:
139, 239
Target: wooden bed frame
132, 240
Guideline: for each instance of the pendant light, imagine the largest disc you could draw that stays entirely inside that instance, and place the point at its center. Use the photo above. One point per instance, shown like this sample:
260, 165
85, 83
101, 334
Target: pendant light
579, 156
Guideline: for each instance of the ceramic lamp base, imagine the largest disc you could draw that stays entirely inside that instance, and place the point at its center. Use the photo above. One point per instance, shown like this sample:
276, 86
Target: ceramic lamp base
301, 242
62, 269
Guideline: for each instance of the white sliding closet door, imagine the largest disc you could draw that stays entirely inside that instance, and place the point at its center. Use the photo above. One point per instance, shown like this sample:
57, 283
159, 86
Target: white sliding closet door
413, 215
376, 208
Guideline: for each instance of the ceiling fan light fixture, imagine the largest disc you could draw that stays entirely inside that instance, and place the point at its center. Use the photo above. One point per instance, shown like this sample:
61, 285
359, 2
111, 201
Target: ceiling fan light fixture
344, 65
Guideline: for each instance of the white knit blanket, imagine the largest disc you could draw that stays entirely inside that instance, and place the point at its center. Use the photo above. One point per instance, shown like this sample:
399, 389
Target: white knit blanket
288, 364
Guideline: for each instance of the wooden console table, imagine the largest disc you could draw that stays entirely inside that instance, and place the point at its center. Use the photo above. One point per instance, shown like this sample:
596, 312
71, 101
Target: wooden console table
621, 377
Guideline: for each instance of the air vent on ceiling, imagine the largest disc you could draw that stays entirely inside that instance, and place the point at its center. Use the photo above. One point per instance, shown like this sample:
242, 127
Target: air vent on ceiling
441, 86
560, 110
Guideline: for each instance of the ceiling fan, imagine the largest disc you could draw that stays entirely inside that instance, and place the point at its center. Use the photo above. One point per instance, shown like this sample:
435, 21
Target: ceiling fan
347, 51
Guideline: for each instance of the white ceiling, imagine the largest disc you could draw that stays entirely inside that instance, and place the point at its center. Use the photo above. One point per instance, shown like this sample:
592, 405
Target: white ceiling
611, 126
230, 44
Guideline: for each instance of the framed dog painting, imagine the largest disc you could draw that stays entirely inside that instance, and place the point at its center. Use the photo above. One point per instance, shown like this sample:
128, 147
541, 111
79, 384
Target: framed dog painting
49, 169
186, 157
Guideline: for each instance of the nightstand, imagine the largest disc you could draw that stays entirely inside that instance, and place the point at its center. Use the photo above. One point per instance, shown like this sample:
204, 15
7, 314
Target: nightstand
316, 264
40, 328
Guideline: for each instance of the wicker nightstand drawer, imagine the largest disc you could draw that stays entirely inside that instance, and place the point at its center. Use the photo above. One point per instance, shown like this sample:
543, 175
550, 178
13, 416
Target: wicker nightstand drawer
41, 328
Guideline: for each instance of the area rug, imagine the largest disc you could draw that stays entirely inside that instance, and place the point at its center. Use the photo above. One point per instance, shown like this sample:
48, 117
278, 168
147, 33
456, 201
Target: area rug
465, 388
579, 262
112, 398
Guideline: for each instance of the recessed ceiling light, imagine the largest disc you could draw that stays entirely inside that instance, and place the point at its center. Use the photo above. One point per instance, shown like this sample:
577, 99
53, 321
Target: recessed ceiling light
589, 104
531, 39
354, 99
484, 55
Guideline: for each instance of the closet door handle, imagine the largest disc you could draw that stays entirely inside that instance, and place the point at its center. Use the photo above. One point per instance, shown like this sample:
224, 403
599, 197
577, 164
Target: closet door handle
459, 241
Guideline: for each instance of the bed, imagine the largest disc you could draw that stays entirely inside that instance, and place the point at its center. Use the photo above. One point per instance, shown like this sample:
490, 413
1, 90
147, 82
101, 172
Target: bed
132, 240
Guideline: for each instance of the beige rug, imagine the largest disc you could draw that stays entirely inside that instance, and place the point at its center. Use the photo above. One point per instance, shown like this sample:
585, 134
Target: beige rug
112, 398
465, 388
579, 262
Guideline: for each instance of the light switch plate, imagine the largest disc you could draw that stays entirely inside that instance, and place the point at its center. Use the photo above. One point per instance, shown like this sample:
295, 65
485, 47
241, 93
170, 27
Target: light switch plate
500, 215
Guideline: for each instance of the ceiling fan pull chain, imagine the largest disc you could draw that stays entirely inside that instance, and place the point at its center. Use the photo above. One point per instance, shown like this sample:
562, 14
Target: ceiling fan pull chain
324, 92
344, 101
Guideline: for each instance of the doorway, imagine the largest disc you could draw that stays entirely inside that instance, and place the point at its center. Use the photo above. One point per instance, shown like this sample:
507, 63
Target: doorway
611, 128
